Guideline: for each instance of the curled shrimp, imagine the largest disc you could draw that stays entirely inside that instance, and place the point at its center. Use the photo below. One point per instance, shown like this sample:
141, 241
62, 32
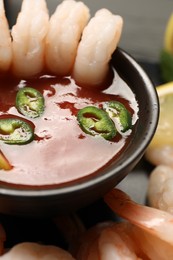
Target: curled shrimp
5, 41
99, 40
152, 228
29, 34
160, 188
65, 29
161, 178
160, 155
34, 251
107, 241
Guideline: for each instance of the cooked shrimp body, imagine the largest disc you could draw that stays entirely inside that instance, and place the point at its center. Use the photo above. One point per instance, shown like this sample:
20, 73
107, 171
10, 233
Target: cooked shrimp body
152, 220
87, 246
107, 241
152, 246
34, 251
160, 155
65, 29
29, 34
160, 188
99, 40
116, 244
5, 41
152, 227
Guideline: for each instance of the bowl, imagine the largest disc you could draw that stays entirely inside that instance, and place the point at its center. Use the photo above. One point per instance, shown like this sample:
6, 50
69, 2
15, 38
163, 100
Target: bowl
54, 201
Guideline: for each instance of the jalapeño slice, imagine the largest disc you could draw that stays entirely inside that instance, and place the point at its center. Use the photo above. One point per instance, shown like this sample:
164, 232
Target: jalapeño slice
30, 102
118, 112
15, 131
96, 122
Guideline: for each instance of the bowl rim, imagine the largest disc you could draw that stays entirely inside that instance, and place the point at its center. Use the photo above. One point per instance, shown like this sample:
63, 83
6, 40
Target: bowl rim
92, 182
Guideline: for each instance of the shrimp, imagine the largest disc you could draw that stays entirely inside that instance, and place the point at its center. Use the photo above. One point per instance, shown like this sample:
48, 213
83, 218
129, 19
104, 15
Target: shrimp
34, 251
161, 178
86, 245
107, 241
5, 41
160, 192
65, 29
99, 40
28, 35
160, 155
152, 228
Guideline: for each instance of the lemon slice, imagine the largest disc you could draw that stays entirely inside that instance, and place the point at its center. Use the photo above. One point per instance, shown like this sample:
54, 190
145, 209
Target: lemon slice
164, 132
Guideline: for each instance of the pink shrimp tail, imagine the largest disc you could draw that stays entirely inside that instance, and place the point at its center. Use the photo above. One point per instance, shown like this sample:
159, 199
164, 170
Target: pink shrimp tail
122, 204
126, 208
153, 221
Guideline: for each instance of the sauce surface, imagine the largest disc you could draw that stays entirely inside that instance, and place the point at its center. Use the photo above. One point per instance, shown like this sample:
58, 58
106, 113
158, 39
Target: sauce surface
61, 152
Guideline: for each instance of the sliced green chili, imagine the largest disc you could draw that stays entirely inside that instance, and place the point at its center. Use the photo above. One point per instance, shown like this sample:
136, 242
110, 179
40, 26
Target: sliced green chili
30, 102
116, 110
96, 122
15, 131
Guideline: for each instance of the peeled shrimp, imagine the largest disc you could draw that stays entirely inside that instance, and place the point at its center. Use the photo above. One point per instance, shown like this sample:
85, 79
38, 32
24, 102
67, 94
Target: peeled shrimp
160, 191
86, 245
107, 241
34, 251
65, 29
160, 155
99, 40
5, 41
152, 228
29, 38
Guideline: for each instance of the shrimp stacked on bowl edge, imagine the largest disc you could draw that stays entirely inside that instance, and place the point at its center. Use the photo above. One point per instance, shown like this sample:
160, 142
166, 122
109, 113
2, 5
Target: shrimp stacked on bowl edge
67, 42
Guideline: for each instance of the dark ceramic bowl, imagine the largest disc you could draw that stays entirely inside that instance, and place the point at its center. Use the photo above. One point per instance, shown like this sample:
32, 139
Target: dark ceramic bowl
78, 195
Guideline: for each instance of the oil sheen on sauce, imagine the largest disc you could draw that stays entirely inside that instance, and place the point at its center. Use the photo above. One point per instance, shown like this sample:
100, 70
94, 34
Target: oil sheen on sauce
61, 152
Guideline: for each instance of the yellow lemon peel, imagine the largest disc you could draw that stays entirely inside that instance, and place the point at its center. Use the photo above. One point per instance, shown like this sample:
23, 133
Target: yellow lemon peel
168, 39
164, 132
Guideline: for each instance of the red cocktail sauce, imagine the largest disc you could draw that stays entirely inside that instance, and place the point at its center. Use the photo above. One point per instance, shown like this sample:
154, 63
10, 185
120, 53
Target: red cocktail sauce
61, 152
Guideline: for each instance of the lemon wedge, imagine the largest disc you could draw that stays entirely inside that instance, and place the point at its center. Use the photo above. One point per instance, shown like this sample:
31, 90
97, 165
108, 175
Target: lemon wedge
168, 39
164, 132
166, 55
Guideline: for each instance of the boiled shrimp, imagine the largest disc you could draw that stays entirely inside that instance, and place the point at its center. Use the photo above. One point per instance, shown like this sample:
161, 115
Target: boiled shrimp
160, 192
34, 251
160, 155
5, 41
161, 178
86, 244
99, 40
152, 228
65, 29
28, 35
107, 241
